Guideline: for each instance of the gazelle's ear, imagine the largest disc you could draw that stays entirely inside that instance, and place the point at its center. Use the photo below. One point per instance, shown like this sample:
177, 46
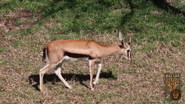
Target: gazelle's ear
121, 39
130, 39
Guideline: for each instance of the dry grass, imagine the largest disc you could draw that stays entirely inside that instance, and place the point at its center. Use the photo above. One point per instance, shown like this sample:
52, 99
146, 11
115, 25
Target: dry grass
141, 81
136, 82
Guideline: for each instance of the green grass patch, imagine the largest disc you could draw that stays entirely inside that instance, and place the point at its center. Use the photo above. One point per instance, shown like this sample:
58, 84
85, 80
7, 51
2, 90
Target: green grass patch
17, 44
19, 22
106, 95
143, 17
3, 62
2, 49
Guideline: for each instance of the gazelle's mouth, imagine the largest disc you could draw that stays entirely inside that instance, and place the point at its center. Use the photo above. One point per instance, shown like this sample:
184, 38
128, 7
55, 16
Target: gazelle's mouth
128, 59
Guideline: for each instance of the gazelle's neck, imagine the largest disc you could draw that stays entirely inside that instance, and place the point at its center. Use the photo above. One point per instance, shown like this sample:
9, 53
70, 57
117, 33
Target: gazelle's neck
110, 49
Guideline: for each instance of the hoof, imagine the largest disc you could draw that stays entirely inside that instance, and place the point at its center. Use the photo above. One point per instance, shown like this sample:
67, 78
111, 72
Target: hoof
92, 89
69, 87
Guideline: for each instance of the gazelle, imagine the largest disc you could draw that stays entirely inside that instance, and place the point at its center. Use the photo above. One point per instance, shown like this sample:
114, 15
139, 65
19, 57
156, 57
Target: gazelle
55, 52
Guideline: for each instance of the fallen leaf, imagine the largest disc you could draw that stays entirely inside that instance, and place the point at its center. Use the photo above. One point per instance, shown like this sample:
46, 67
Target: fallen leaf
60, 31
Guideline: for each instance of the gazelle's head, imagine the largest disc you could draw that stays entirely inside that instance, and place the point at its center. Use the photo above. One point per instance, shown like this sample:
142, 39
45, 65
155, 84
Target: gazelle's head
125, 47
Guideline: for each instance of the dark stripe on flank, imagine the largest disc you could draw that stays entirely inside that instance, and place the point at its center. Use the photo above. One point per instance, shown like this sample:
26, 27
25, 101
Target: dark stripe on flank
76, 55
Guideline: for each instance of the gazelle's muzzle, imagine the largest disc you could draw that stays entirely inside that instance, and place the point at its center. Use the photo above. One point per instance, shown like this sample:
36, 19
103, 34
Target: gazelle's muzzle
128, 55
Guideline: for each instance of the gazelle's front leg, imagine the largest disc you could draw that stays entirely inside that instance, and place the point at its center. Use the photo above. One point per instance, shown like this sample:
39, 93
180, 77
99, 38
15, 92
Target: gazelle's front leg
91, 70
58, 72
98, 73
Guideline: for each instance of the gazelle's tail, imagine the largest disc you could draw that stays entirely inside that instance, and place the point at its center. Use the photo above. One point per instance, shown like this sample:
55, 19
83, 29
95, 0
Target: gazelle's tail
44, 57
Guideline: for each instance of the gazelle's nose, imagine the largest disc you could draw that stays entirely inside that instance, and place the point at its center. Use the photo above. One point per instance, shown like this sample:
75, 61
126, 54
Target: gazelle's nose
128, 55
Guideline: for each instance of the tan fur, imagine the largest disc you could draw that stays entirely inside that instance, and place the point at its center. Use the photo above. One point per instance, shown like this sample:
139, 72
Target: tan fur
56, 50
86, 47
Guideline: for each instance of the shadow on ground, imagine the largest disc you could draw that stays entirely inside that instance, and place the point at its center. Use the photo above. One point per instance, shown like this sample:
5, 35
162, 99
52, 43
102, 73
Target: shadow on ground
162, 4
34, 79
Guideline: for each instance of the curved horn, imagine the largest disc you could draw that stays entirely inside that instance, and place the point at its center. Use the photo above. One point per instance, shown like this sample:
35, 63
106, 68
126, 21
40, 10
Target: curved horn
130, 39
120, 36
121, 39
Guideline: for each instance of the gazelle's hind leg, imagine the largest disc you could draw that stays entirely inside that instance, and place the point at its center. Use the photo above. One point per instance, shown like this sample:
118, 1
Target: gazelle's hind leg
42, 72
58, 73
98, 73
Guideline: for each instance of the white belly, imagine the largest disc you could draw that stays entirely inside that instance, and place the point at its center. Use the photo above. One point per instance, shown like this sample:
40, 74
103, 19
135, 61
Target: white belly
74, 59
